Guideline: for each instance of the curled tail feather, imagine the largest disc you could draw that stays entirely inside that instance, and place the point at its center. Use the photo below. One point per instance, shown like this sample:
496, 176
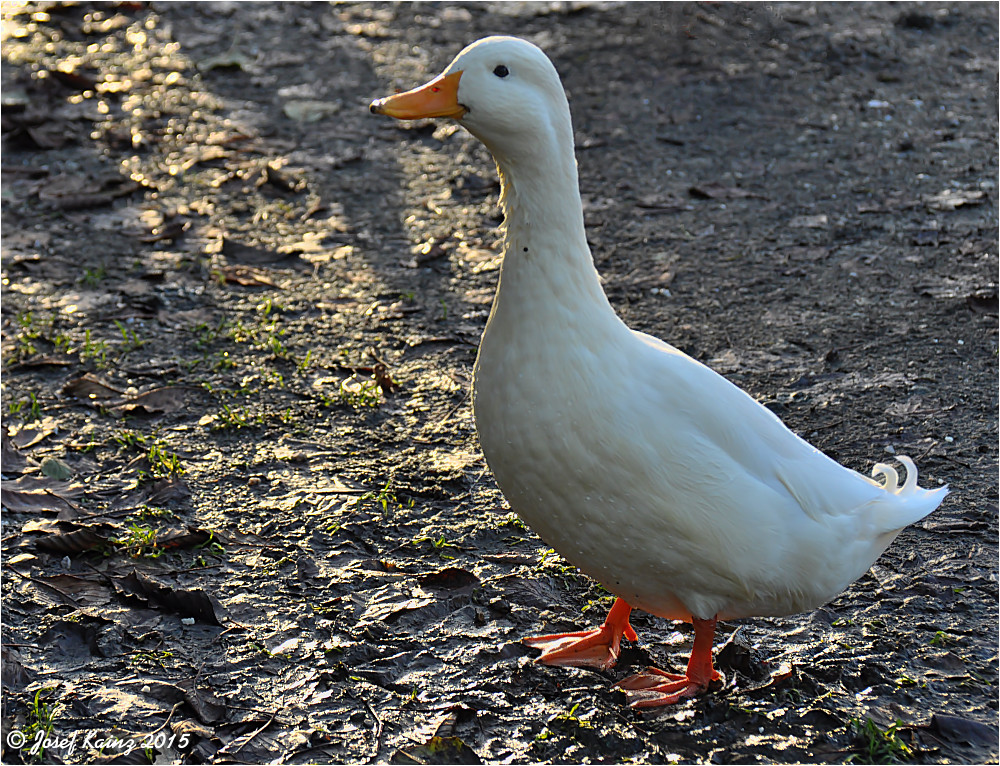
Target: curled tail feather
913, 502
892, 477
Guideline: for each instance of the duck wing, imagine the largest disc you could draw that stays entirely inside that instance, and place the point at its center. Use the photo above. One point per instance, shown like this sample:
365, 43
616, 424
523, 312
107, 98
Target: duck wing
724, 421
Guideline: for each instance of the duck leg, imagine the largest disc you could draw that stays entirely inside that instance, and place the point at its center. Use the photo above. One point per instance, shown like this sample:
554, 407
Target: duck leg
654, 687
596, 648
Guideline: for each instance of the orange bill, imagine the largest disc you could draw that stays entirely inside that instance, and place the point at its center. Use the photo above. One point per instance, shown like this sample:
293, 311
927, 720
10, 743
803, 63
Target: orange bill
438, 98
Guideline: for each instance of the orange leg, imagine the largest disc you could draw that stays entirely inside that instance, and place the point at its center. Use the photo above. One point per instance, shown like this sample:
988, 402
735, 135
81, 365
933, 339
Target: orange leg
654, 687
596, 648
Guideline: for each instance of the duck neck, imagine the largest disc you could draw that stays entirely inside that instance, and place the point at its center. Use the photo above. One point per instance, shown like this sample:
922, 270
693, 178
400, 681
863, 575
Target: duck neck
546, 254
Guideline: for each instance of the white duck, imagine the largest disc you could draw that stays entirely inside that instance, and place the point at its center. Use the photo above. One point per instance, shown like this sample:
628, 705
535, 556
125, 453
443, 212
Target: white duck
647, 470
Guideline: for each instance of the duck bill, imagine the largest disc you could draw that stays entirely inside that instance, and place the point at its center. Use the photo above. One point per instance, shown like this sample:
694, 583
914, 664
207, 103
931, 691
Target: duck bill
438, 98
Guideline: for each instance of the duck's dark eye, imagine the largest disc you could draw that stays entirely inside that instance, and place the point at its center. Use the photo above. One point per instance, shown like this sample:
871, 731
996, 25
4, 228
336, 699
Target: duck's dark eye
501, 71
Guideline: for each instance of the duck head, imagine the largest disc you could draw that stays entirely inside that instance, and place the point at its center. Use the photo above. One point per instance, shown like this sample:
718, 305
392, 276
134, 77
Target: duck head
504, 91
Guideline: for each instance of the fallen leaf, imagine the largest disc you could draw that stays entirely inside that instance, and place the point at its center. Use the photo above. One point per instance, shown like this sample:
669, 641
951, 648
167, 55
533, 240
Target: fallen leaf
445, 723
159, 493
52, 135
231, 59
254, 256
808, 222
209, 708
307, 111
11, 458
962, 729
90, 387
306, 568
950, 199
44, 360
251, 744
719, 191
182, 537
383, 604
193, 730
187, 319
168, 231
983, 302
29, 435
738, 654
73, 79
16, 675
190, 603
55, 468
33, 495
66, 538
275, 176
437, 750
78, 591
247, 276
663, 203
449, 578
71, 192
23, 560
155, 401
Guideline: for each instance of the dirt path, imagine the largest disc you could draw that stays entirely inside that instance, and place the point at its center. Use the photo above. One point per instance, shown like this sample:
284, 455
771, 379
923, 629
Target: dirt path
245, 513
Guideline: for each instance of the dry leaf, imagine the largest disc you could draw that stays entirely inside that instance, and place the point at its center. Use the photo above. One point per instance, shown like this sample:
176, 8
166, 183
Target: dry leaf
950, 199
29, 435
12, 460
449, 578
90, 387
154, 401
33, 495
247, 276
254, 256
66, 538
719, 191
307, 111
808, 222
190, 603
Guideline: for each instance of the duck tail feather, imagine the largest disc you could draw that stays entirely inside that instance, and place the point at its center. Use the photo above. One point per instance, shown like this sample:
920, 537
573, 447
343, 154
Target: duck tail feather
915, 501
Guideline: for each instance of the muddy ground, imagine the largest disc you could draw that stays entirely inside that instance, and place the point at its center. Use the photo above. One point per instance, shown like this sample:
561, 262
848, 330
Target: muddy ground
246, 517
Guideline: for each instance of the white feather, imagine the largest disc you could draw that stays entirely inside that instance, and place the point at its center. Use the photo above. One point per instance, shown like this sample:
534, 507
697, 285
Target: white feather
644, 468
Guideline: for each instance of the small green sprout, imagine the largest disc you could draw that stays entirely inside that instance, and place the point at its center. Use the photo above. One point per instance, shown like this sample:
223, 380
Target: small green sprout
27, 409
41, 721
877, 745
93, 277
139, 541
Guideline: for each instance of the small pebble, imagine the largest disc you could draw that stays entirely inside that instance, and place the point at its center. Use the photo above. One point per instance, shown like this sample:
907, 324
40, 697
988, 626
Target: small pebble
949, 439
187, 620
890, 449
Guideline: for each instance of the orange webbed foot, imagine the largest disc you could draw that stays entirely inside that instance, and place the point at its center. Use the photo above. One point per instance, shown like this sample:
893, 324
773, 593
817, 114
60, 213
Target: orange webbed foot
596, 648
656, 688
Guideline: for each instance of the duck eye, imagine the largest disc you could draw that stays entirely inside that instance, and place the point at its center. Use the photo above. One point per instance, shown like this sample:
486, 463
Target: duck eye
501, 71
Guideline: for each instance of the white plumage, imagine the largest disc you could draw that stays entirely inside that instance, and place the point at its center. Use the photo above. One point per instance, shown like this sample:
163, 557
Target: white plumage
644, 468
